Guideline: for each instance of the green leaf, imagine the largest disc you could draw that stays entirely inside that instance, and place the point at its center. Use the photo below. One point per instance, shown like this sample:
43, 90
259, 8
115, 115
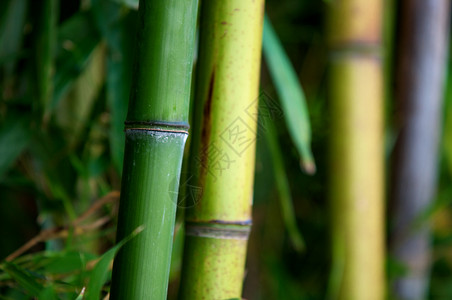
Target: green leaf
14, 137
282, 185
12, 21
25, 280
48, 294
80, 296
291, 96
65, 262
100, 272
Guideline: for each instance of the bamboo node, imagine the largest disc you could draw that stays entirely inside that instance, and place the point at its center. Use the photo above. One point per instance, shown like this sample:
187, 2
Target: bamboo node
225, 232
356, 50
156, 129
161, 126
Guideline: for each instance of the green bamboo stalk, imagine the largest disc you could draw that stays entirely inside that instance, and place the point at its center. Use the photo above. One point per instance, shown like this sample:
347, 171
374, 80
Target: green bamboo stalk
44, 54
356, 178
223, 149
43, 67
156, 131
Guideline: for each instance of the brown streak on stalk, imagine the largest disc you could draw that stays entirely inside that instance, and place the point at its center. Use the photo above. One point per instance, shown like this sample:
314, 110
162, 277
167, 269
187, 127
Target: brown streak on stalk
206, 127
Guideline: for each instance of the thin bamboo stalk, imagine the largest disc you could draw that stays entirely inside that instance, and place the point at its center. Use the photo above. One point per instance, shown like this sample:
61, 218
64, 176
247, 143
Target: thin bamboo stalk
44, 54
223, 149
43, 65
356, 178
422, 61
156, 130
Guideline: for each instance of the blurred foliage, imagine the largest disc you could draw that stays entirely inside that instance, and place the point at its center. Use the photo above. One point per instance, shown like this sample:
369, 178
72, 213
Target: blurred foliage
54, 170
54, 174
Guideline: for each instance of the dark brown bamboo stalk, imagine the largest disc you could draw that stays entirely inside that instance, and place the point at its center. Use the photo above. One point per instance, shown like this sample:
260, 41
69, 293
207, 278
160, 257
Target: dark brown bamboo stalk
420, 78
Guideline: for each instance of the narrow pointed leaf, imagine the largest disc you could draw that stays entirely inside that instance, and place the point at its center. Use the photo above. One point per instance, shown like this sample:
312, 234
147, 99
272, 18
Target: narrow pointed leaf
282, 185
12, 21
81, 295
100, 272
290, 94
23, 278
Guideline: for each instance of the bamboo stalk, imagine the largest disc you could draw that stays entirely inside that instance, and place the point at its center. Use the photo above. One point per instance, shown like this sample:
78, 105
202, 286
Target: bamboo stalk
44, 54
356, 179
223, 149
43, 65
156, 131
422, 61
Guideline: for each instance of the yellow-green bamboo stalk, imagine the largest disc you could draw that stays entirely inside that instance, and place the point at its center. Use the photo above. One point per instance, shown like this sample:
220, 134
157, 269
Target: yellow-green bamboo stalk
356, 174
223, 149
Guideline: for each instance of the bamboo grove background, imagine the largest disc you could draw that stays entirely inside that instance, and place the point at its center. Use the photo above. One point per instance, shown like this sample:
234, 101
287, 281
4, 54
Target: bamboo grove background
354, 109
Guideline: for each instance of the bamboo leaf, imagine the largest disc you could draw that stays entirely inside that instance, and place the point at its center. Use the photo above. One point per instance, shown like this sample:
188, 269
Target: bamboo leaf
48, 293
282, 184
12, 21
290, 94
23, 278
80, 296
100, 272
65, 262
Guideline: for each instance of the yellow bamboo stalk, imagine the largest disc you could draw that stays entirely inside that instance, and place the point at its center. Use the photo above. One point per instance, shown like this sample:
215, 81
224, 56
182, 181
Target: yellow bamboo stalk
356, 175
223, 149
